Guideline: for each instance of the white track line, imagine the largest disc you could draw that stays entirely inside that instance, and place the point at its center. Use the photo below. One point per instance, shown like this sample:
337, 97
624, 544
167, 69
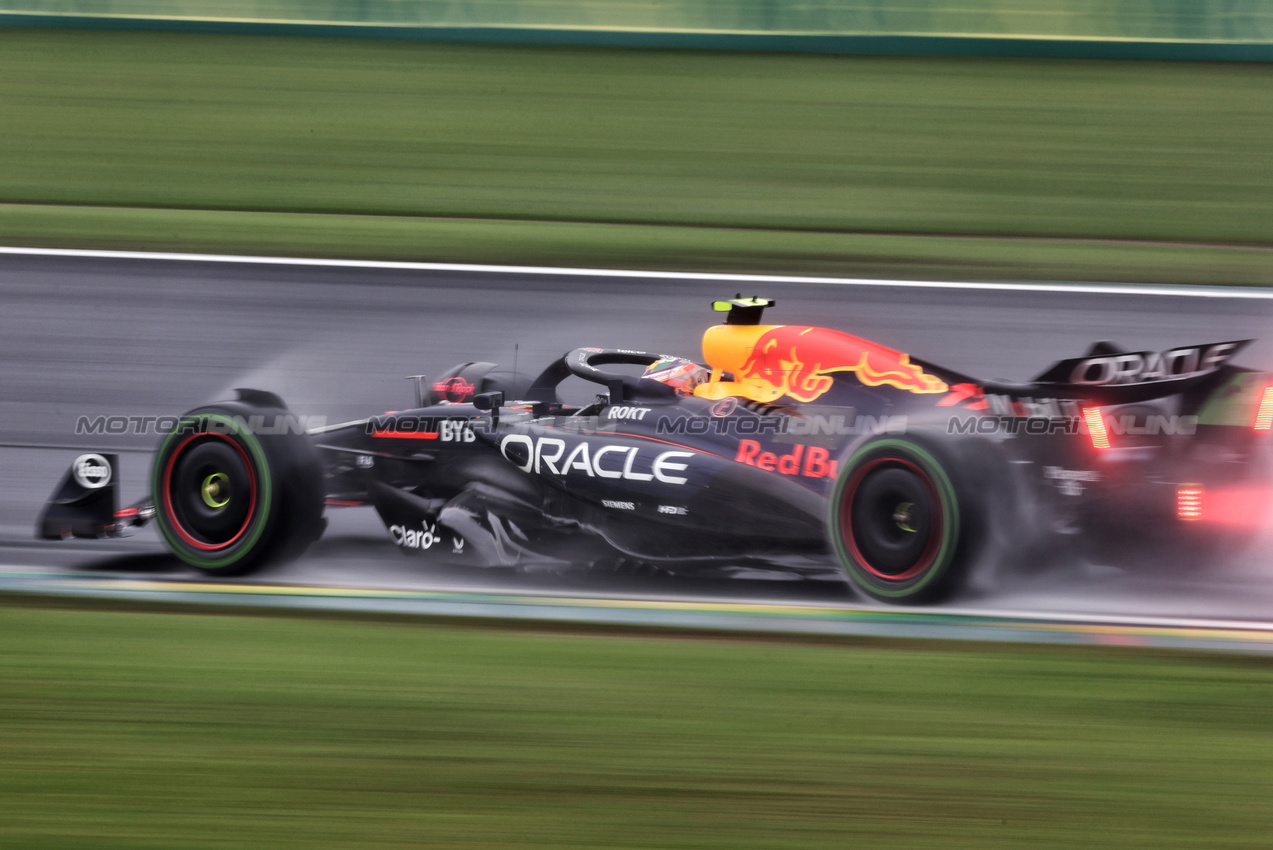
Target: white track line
1230, 292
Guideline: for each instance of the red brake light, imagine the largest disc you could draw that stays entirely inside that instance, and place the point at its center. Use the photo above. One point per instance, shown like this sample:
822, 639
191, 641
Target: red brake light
1096, 427
1264, 416
1189, 502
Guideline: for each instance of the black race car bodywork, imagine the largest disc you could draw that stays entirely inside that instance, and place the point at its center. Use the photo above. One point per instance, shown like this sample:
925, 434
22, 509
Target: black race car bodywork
805, 442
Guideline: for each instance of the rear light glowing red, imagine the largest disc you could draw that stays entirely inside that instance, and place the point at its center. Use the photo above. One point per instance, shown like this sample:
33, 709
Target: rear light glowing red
1189, 502
1096, 427
1247, 507
1264, 416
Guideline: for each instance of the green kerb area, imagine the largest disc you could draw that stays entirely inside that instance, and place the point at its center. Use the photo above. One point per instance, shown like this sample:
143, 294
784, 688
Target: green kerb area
138, 730
926, 167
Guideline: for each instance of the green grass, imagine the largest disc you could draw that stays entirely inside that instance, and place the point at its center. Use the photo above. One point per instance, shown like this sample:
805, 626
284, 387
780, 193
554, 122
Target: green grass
157, 730
708, 160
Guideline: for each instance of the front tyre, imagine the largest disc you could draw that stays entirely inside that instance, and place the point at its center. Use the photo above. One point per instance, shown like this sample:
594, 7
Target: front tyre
898, 524
229, 498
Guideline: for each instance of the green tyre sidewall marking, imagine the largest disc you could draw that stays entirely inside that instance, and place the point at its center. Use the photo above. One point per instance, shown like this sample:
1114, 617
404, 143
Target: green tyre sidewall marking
945, 494
254, 448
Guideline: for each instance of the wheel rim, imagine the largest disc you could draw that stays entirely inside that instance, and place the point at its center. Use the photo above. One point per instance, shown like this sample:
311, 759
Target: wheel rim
892, 519
209, 491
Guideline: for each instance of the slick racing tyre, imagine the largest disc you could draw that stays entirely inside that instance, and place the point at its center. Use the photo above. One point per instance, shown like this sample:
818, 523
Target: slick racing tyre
236, 488
898, 523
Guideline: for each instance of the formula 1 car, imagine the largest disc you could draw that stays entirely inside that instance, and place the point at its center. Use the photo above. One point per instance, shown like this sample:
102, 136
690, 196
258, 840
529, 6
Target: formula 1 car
794, 444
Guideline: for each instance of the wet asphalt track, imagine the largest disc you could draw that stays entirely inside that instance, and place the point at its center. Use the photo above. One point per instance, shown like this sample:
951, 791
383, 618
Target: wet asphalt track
96, 336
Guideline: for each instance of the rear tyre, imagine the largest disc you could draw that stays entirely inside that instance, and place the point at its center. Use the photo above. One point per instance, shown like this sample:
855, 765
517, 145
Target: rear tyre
233, 491
898, 523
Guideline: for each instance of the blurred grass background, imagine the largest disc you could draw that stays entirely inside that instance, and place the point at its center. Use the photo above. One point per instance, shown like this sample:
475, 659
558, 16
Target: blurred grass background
852, 165
160, 730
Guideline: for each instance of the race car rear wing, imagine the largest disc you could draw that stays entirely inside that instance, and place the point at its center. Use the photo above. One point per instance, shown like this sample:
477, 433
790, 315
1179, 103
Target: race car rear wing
1106, 365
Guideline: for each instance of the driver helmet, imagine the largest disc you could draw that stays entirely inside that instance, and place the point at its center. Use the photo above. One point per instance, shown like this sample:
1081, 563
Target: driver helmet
679, 374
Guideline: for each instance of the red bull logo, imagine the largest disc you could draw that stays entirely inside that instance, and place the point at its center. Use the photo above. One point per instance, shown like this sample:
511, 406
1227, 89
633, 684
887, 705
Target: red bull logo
799, 361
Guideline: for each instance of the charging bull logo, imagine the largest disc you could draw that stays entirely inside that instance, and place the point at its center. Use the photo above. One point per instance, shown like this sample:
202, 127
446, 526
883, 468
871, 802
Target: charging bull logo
798, 362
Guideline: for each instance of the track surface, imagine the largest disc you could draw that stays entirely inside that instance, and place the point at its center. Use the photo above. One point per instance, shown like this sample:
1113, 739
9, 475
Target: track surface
95, 336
